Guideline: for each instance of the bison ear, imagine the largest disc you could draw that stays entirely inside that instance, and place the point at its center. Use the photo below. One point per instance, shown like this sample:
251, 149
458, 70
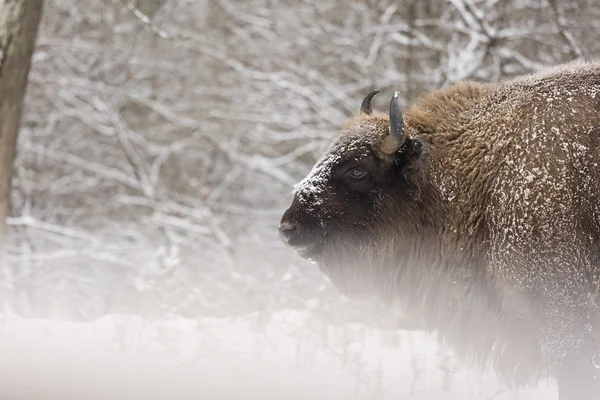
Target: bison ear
410, 160
394, 141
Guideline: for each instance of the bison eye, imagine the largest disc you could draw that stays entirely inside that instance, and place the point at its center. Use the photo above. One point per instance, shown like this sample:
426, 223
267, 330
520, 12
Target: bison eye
356, 173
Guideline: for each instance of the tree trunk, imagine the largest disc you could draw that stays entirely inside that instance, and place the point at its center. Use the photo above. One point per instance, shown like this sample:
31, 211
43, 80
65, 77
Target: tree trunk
19, 20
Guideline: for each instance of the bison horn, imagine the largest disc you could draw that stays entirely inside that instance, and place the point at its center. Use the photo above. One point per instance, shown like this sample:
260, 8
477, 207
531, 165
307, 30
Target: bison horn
396, 121
396, 139
365, 107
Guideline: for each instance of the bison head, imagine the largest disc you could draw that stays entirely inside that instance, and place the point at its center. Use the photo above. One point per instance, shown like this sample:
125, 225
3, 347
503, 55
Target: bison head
358, 212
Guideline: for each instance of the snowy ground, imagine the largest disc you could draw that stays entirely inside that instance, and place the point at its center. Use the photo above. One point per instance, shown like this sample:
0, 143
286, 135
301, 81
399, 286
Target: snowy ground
288, 355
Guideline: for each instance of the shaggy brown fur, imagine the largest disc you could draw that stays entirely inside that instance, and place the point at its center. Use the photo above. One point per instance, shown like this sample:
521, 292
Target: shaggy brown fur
486, 223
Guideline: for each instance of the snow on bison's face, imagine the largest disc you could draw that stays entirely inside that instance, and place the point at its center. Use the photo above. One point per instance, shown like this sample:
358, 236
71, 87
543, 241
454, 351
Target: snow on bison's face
360, 199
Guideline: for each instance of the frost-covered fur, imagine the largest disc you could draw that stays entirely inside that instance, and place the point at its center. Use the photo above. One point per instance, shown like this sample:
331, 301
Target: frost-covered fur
486, 223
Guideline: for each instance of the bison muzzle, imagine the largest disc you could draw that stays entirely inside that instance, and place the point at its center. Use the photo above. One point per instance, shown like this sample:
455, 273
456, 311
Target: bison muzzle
477, 210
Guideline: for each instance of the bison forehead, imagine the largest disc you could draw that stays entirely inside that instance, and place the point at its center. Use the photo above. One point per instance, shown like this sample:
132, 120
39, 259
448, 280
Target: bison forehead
311, 188
347, 146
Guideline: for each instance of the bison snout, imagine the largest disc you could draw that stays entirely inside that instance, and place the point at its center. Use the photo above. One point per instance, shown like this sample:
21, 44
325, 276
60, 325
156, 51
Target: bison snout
287, 230
301, 235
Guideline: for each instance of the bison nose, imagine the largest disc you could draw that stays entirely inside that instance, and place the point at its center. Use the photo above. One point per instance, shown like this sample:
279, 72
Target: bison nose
287, 230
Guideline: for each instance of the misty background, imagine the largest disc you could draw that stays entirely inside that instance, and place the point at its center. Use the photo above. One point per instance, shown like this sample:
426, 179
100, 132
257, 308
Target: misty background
160, 142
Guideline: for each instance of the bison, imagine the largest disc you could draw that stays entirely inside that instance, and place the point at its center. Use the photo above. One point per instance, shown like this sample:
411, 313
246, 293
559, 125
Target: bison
477, 210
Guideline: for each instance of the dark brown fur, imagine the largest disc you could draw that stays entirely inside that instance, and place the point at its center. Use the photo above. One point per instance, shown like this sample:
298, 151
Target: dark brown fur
486, 223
